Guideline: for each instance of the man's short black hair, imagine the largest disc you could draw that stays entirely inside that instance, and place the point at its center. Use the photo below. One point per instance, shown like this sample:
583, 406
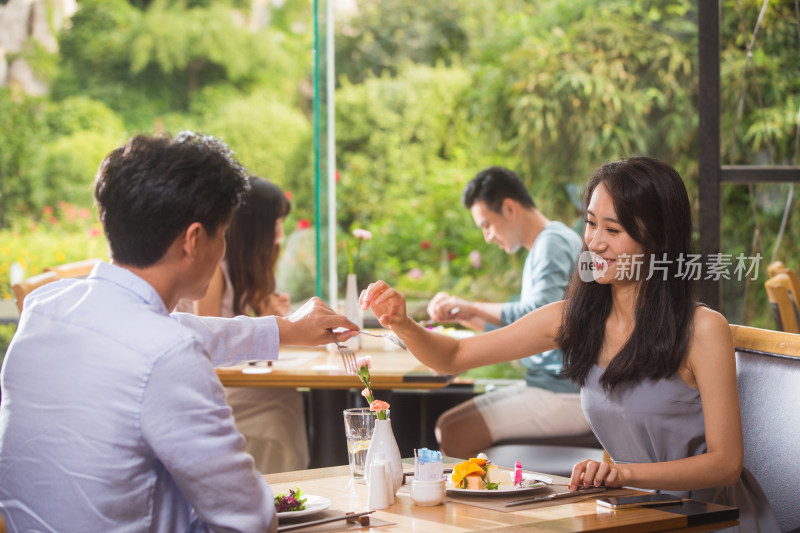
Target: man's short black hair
493, 185
153, 188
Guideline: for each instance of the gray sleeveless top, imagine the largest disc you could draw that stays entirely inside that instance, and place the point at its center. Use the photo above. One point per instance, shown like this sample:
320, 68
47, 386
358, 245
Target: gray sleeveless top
658, 421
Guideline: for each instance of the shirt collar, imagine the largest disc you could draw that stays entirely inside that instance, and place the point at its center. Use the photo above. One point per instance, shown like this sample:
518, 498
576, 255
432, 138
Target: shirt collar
131, 282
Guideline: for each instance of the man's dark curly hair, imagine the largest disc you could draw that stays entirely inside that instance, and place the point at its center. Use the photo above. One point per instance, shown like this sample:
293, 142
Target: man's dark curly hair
154, 187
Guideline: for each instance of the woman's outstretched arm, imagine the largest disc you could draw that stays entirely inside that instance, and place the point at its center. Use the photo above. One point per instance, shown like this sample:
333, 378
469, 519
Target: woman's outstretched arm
532, 334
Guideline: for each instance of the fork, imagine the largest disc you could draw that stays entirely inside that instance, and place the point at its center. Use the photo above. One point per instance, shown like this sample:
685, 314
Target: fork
348, 355
393, 338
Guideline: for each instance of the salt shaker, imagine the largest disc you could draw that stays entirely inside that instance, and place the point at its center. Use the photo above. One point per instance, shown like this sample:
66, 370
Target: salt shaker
379, 494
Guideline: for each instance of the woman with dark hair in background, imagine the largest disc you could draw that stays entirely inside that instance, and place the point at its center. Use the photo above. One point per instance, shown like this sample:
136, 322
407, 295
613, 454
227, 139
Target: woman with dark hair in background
271, 420
656, 369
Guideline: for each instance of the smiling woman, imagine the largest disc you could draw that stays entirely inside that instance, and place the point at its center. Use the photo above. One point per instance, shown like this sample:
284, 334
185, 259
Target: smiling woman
656, 369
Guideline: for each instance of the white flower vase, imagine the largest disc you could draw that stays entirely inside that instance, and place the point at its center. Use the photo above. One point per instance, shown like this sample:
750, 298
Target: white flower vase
352, 310
383, 447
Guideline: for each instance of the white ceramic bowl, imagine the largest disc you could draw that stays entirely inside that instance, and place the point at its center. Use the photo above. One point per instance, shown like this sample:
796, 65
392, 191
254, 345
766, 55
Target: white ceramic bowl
428, 493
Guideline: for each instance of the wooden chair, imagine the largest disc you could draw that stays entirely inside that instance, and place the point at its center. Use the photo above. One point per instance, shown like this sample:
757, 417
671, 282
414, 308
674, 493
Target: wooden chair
26, 286
777, 267
768, 371
783, 299
78, 269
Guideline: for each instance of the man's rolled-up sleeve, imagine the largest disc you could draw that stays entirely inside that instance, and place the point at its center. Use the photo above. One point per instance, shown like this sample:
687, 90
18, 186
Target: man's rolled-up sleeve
233, 340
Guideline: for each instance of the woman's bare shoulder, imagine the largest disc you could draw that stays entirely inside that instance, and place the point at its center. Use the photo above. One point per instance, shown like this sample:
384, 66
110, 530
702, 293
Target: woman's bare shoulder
711, 336
706, 321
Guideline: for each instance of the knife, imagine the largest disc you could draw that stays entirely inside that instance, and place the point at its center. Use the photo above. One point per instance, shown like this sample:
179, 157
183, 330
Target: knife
555, 496
292, 527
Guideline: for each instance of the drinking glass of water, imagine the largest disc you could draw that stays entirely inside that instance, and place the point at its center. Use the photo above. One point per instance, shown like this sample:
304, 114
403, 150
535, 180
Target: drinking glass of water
359, 424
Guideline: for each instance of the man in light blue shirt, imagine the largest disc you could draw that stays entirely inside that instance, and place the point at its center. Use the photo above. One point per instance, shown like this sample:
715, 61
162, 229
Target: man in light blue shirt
549, 405
113, 418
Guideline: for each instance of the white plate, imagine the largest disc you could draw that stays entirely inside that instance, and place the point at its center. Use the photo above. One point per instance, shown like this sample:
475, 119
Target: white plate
314, 504
503, 489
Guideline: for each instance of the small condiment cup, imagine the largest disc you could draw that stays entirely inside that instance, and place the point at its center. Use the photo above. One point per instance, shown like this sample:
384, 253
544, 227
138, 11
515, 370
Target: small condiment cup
428, 493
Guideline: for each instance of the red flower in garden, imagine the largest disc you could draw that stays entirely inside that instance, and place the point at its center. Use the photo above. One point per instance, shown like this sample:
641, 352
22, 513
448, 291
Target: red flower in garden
288, 195
451, 256
425, 245
48, 210
303, 223
338, 176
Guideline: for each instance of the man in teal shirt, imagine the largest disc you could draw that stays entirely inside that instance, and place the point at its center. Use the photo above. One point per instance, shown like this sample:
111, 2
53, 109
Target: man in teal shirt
548, 405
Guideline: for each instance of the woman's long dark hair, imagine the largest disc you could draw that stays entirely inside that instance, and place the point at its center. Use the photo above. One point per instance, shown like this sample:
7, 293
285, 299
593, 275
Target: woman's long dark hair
652, 206
251, 249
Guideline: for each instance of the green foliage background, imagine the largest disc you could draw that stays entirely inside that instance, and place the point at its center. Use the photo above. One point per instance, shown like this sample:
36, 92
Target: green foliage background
428, 93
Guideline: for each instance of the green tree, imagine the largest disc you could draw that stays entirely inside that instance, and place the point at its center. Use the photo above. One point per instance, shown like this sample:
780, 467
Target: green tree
385, 34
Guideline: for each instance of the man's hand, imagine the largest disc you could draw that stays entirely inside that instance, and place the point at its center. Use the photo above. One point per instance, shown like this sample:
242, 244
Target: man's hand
446, 308
310, 325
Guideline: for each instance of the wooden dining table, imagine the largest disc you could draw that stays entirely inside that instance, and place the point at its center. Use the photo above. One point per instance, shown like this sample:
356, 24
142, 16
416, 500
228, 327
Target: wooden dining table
349, 495
322, 368
329, 388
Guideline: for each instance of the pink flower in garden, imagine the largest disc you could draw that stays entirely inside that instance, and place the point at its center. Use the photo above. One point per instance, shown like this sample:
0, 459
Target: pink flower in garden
53, 220
288, 195
415, 273
83, 213
303, 223
48, 210
338, 176
362, 234
94, 231
425, 245
365, 393
378, 405
475, 259
61, 204
364, 360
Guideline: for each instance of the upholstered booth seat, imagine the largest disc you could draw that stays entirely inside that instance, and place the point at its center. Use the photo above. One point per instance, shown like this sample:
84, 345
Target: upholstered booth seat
768, 370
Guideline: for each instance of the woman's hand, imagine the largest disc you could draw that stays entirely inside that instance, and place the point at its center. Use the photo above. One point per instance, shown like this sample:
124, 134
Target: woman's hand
591, 473
388, 305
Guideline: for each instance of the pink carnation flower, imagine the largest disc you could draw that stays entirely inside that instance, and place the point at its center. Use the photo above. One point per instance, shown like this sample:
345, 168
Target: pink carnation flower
365, 393
378, 405
364, 360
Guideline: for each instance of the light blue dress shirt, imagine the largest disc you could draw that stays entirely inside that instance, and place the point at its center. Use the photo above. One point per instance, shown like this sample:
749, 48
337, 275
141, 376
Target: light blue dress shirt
548, 269
113, 419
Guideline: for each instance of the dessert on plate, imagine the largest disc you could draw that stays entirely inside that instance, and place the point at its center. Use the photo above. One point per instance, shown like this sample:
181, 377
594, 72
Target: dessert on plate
478, 473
